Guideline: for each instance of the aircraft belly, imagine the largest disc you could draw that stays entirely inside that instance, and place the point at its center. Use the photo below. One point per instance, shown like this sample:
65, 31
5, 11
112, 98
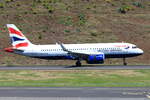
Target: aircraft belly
55, 56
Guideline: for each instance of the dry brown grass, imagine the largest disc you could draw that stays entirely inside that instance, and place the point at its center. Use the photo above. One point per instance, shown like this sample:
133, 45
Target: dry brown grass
62, 74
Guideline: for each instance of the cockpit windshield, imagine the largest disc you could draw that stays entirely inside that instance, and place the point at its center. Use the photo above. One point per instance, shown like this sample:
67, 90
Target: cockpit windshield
134, 47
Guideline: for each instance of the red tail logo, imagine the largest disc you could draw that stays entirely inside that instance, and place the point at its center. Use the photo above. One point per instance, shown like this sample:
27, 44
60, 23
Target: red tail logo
13, 31
21, 45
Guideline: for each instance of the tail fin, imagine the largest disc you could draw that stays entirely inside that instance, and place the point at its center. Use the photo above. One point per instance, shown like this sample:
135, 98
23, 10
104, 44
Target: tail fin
17, 37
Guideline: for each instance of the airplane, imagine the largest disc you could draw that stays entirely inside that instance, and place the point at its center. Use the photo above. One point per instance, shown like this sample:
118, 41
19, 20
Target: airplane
92, 53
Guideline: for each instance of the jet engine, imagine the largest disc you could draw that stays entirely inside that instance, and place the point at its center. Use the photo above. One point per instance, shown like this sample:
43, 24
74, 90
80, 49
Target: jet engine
96, 59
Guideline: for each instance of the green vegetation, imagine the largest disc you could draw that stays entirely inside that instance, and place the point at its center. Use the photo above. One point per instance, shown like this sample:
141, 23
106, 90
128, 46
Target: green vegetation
34, 11
7, 1
125, 9
40, 36
93, 34
76, 78
67, 31
82, 19
66, 20
50, 9
2, 5
48, 4
138, 4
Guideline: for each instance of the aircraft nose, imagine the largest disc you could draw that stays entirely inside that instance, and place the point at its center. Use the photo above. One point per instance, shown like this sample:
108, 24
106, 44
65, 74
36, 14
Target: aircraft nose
140, 51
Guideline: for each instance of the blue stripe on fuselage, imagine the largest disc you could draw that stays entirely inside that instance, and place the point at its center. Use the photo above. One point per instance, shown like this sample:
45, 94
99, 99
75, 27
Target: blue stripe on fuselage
121, 55
71, 58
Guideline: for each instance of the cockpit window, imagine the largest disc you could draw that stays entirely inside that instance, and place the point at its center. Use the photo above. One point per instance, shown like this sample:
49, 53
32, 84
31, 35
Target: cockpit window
134, 47
127, 47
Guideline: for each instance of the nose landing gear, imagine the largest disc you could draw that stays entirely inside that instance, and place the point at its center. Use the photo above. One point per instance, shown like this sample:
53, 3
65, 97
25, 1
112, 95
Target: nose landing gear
124, 62
78, 63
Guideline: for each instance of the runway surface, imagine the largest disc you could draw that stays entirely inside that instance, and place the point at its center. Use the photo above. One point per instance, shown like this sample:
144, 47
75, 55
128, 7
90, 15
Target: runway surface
66, 93
101, 67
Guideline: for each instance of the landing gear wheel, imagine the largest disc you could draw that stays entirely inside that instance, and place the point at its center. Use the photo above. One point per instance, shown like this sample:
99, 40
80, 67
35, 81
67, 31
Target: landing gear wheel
78, 63
124, 62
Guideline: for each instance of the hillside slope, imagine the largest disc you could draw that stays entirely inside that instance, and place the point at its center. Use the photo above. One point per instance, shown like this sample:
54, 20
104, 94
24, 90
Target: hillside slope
76, 21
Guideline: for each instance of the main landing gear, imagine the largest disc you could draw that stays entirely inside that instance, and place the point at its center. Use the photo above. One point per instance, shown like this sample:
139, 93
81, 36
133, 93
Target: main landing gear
78, 63
124, 61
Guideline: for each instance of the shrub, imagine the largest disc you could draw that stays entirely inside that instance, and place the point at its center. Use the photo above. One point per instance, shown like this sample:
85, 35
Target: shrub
34, 11
38, 1
40, 36
93, 34
82, 19
66, 20
138, 4
124, 9
18, 4
45, 5
54, 1
108, 1
1, 5
7, 1
78, 30
50, 9
88, 7
45, 1
67, 31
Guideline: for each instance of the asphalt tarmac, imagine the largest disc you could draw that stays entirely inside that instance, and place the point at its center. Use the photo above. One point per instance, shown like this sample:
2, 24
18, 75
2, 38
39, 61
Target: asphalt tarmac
87, 67
68, 93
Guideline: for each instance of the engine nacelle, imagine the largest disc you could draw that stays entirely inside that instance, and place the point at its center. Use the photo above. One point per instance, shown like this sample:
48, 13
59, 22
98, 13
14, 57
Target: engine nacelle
96, 59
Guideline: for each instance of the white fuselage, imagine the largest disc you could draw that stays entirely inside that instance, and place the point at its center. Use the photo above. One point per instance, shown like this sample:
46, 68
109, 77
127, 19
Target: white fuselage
110, 50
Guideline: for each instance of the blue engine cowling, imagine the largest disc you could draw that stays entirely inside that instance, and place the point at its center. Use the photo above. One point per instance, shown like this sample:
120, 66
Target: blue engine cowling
96, 59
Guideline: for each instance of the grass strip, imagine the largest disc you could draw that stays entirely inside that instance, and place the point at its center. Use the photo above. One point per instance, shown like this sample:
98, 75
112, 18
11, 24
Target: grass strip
75, 78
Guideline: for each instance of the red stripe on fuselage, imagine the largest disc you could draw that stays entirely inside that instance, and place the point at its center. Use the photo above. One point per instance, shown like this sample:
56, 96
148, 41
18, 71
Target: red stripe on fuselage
13, 31
120, 45
21, 45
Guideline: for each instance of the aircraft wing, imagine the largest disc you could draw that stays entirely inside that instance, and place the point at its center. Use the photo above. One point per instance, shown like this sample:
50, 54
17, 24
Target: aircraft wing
79, 54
